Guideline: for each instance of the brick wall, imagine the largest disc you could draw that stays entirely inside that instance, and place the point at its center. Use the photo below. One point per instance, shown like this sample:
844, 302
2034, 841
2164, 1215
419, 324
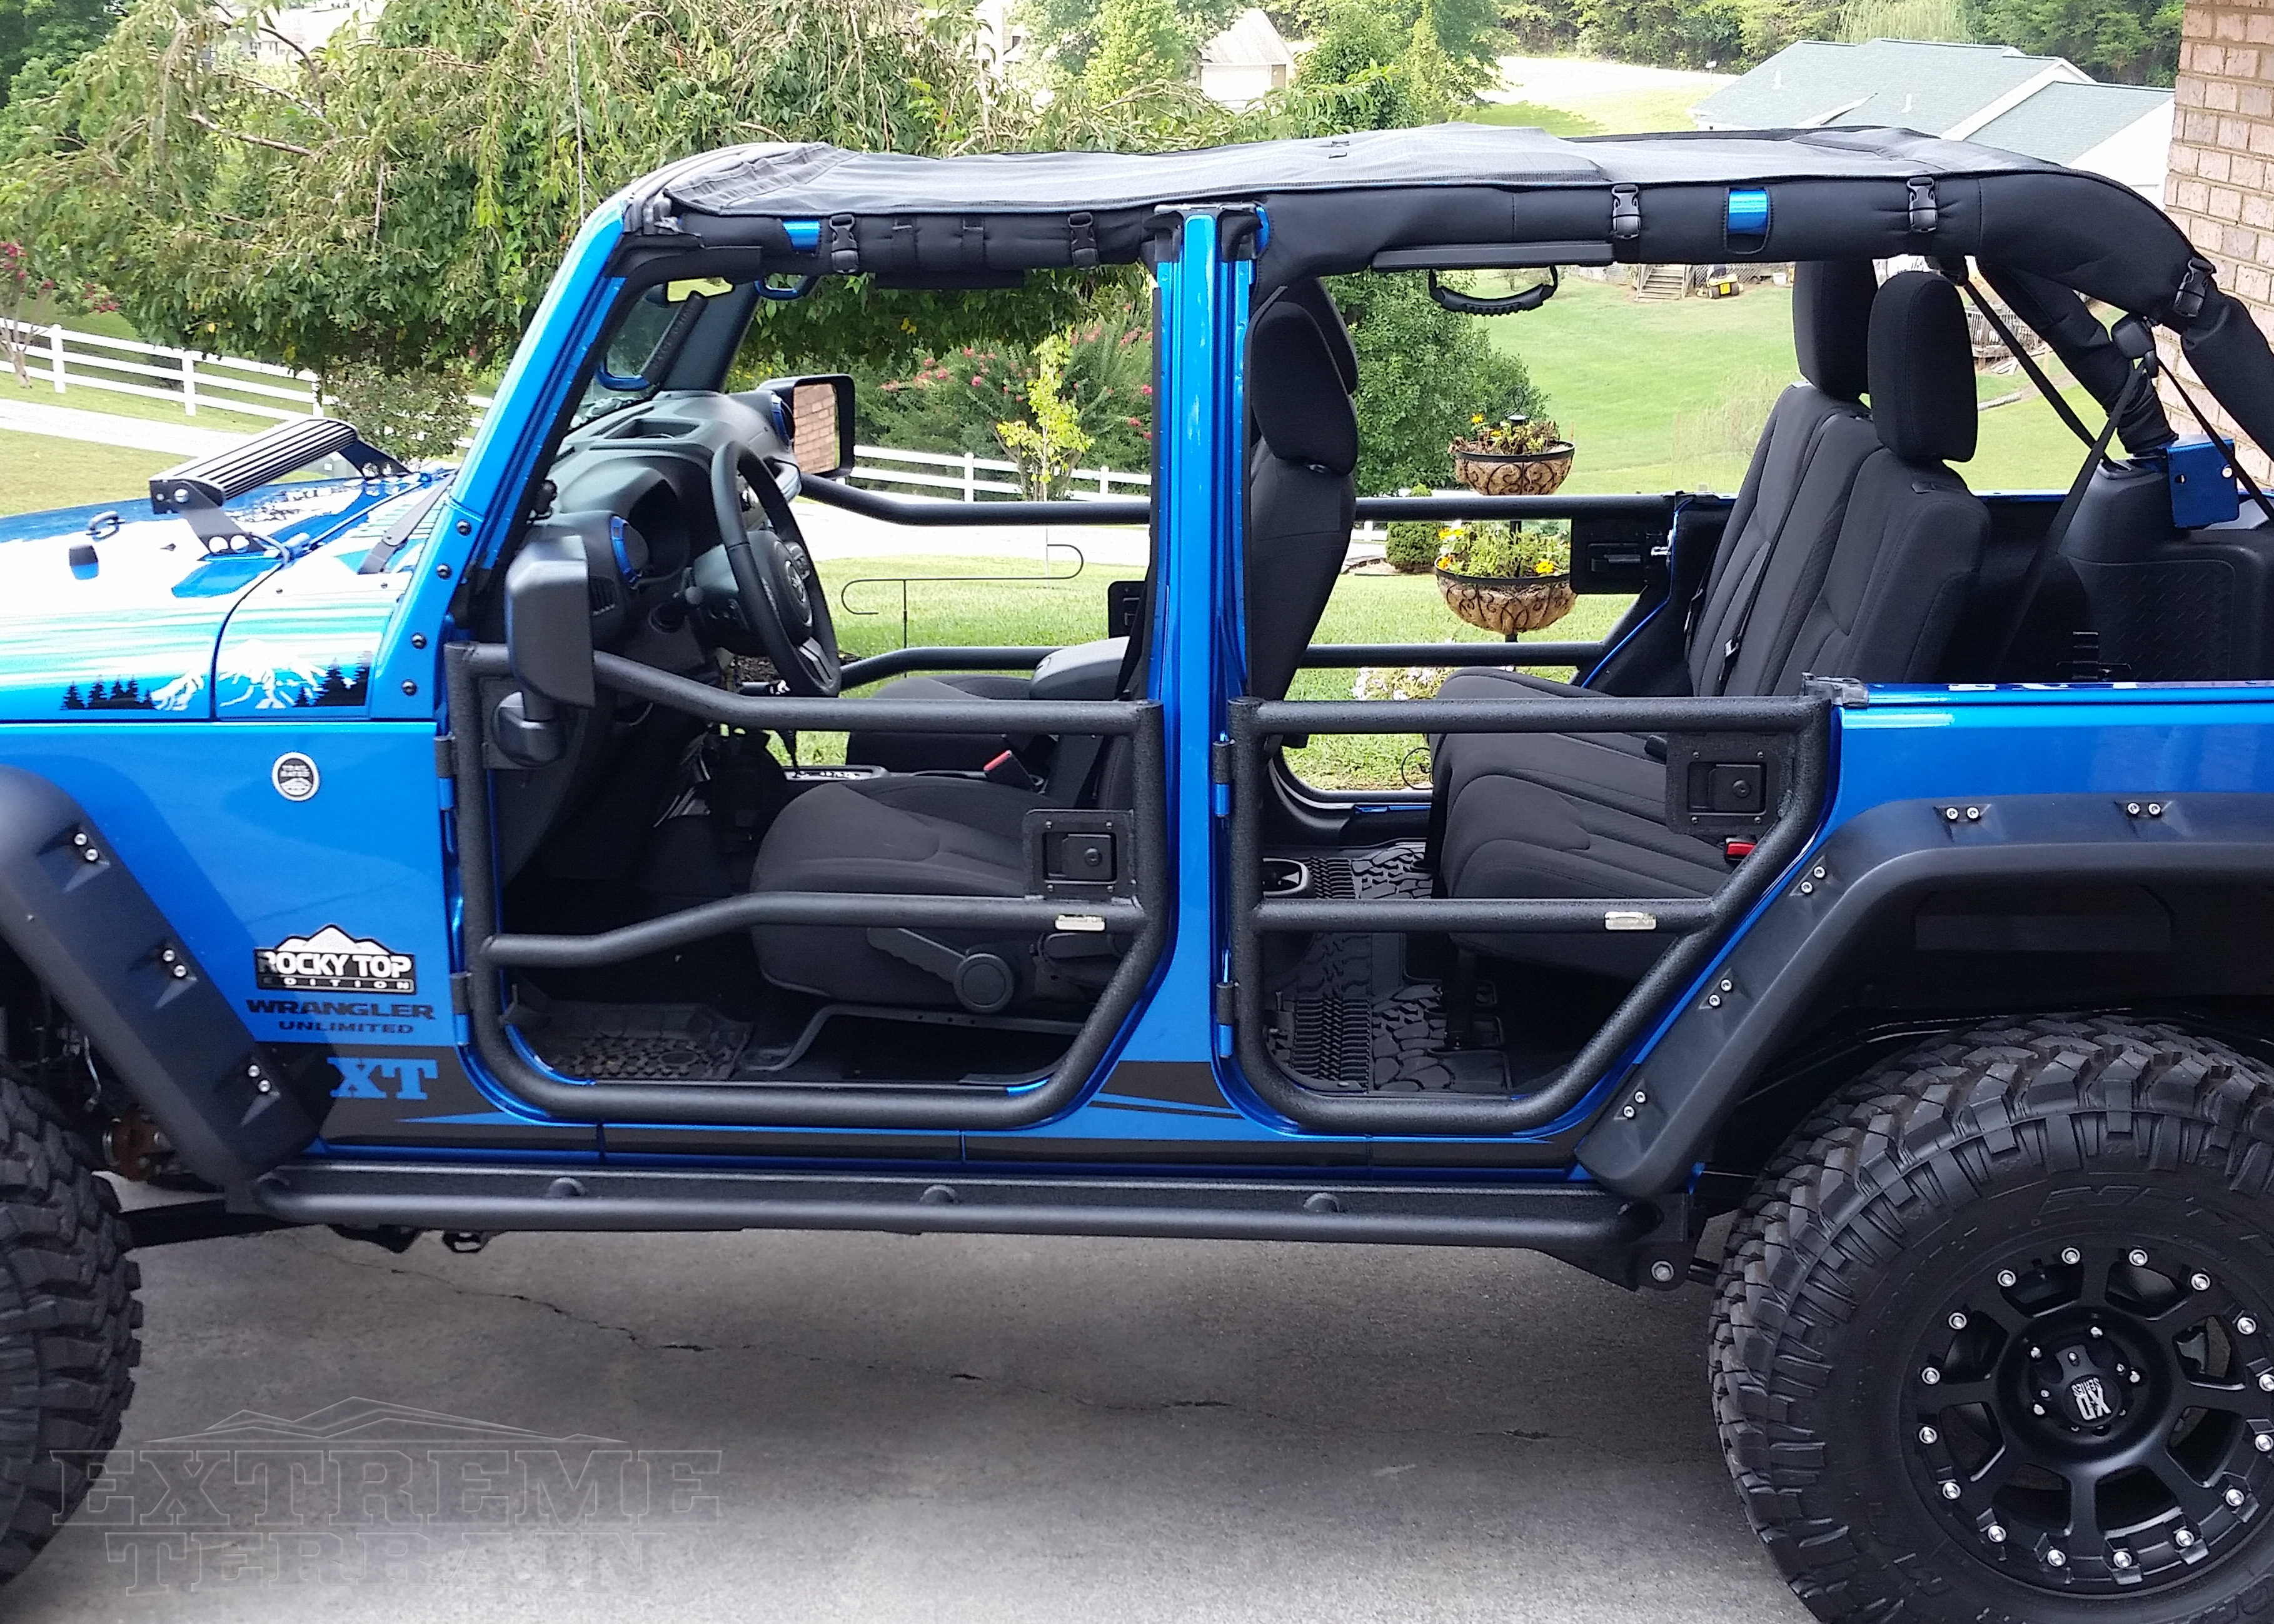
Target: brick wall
2221, 187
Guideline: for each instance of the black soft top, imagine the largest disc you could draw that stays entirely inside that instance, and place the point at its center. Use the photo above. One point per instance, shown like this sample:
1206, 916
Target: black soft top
1332, 204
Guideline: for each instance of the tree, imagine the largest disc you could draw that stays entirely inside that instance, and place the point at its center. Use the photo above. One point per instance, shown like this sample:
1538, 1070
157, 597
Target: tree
1422, 373
1139, 43
1066, 33
400, 196
1047, 442
2136, 42
50, 33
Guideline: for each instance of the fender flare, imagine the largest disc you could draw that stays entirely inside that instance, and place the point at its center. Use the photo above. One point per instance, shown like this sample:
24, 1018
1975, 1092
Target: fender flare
1662, 1120
85, 927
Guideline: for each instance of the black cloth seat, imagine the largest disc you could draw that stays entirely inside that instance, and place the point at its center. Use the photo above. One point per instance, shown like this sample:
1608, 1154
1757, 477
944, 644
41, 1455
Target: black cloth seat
1796, 486
1865, 579
1285, 344
934, 835
952, 836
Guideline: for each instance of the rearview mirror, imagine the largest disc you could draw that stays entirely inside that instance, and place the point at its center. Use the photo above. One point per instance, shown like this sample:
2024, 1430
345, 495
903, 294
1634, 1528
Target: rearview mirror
548, 636
820, 421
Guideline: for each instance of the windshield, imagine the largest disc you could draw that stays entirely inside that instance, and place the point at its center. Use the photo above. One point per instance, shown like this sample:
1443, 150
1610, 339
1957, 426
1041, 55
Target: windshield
647, 338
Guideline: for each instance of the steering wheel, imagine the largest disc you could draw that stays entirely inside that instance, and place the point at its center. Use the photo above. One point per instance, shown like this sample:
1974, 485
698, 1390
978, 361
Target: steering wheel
780, 597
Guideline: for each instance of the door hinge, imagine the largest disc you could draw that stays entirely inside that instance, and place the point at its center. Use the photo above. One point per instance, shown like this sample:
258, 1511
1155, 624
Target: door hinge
461, 993
1224, 1011
1220, 759
446, 755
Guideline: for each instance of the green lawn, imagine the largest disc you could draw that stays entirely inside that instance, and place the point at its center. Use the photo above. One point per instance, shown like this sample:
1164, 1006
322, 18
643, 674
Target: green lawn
39, 472
1533, 115
1671, 396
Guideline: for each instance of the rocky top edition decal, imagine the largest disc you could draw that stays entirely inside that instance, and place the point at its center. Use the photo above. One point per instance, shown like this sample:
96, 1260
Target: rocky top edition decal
332, 960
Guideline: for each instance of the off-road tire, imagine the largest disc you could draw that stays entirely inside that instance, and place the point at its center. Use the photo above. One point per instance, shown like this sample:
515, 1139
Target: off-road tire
1904, 1174
67, 1319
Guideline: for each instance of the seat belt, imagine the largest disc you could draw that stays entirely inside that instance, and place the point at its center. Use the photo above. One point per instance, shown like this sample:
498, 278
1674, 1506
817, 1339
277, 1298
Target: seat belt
2049, 543
2020, 352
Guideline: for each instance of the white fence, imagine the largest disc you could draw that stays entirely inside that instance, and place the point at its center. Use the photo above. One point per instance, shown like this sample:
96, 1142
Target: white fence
69, 360
969, 477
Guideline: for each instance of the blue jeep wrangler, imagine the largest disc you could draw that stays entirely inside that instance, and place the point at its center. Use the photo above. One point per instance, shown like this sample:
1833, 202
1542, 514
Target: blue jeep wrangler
410, 852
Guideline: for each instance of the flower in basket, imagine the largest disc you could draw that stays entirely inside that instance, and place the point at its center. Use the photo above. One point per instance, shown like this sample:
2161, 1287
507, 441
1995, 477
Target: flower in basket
1494, 549
1512, 436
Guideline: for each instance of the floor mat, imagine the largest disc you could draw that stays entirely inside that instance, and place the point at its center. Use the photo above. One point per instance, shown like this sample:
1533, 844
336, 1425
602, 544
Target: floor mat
670, 1043
1351, 1014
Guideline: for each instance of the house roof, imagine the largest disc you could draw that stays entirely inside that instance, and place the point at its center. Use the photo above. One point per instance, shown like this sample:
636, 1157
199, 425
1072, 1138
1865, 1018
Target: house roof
1252, 41
2065, 121
1929, 86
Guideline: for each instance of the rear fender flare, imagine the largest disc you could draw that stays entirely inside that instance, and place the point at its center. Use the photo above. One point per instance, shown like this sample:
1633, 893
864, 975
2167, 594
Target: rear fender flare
1759, 996
83, 924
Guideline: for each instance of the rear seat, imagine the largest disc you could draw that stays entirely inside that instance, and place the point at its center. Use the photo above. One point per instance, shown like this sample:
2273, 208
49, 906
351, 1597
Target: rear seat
1854, 557
1814, 441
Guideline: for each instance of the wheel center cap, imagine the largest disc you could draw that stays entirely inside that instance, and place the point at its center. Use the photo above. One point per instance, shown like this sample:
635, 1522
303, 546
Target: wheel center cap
2083, 1383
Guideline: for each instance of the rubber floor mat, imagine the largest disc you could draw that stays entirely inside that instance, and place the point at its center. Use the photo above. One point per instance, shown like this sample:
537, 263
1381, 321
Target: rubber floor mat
673, 1042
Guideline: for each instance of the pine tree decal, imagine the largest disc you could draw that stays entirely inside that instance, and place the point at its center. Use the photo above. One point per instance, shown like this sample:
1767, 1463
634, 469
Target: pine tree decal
72, 700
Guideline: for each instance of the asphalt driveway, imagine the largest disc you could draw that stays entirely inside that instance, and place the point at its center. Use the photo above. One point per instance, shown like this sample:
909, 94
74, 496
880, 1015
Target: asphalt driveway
814, 1427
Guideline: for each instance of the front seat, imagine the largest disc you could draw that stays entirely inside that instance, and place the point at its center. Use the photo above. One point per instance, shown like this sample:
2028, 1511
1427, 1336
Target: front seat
1871, 587
954, 835
906, 752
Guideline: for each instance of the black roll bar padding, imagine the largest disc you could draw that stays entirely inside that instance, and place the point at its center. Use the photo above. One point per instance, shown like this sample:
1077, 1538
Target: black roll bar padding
834, 493
898, 662
1150, 918
1697, 926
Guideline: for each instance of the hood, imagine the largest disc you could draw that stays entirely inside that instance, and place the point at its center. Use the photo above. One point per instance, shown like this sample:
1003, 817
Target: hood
116, 613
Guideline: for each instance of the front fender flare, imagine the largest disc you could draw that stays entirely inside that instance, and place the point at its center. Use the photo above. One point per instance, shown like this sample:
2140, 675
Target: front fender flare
1664, 1118
85, 927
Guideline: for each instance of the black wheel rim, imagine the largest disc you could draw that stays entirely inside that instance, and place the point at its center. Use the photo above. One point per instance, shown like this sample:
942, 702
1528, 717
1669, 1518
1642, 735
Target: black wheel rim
2095, 1416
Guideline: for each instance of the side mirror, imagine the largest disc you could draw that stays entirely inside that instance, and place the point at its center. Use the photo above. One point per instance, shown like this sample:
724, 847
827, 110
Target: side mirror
820, 421
548, 635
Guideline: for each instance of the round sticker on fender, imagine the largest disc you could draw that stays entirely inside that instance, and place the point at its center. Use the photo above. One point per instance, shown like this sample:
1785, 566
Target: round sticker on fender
295, 776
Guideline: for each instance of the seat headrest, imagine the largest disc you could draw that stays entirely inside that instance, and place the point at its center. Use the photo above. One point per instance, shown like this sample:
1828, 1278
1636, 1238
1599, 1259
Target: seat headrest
1312, 295
1832, 324
1296, 393
1923, 371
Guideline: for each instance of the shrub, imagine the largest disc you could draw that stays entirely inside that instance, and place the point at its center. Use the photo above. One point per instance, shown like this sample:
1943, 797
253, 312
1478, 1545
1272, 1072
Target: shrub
414, 416
1412, 548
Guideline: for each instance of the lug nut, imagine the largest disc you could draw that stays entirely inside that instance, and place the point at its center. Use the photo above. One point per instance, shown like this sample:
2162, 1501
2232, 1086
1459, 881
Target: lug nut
1995, 1533
1663, 1272
2056, 1558
2266, 1381
1958, 1320
2097, 1331
1930, 1375
2132, 1377
2036, 1409
2247, 1325
2005, 1279
2120, 1558
2071, 1256
2036, 1353
2200, 1280
2183, 1538
1950, 1489
2136, 1257
2265, 1442
1928, 1435
2235, 1497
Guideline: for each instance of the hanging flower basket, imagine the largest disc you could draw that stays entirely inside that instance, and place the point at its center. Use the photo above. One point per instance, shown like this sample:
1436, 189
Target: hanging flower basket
1511, 473
1507, 603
